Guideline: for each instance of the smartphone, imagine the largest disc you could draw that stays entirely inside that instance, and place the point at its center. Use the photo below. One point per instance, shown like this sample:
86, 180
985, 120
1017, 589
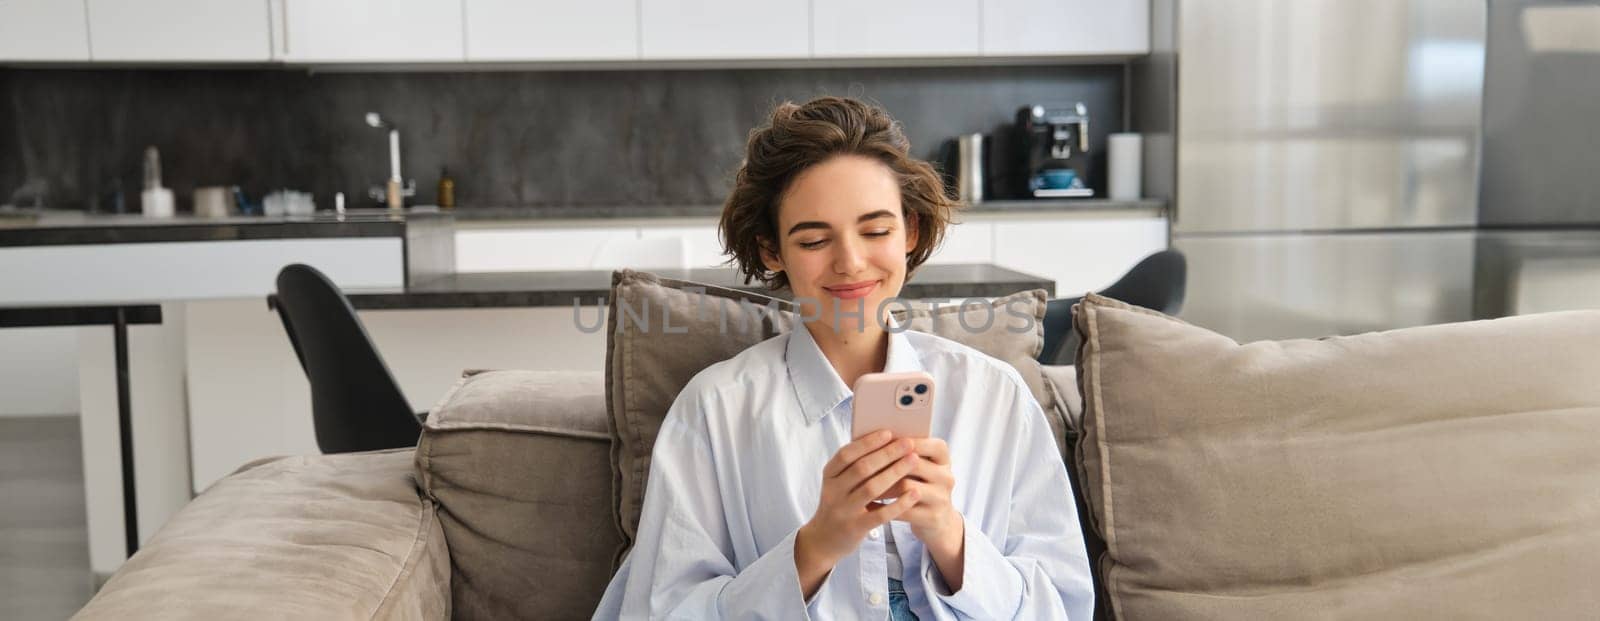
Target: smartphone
899, 402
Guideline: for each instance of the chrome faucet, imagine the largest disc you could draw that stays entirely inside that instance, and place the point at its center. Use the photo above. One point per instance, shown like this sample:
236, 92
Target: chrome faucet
397, 189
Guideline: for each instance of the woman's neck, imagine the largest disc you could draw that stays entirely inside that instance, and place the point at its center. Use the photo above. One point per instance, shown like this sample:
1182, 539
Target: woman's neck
852, 353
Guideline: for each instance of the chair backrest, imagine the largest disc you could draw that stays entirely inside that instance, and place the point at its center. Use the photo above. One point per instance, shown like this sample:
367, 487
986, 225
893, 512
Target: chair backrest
356, 404
1158, 282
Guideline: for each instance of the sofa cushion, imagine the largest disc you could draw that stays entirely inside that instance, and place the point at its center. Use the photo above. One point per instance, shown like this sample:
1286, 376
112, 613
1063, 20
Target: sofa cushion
1010, 328
518, 462
1437, 472
662, 331
1066, 417
323, 537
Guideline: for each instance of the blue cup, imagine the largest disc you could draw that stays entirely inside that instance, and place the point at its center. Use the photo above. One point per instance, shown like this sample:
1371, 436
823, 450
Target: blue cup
1054, 179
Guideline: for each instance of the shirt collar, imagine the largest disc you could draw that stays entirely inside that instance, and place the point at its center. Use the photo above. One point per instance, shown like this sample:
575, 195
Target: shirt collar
818, 387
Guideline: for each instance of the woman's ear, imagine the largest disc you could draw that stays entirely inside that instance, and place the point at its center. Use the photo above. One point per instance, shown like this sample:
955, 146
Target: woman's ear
770, 256
913, 232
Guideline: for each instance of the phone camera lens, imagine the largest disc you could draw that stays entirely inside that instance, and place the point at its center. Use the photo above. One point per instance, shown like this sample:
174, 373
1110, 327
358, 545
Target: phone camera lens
922, 389
905, 400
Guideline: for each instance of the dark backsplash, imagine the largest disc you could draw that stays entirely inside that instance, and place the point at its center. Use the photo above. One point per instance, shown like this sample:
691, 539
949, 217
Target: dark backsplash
69, 138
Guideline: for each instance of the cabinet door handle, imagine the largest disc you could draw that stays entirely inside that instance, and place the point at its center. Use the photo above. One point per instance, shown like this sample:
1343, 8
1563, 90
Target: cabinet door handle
283, 6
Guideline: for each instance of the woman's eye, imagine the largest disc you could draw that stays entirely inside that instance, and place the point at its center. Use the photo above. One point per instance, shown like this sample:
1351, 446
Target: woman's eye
878, 233
808, 245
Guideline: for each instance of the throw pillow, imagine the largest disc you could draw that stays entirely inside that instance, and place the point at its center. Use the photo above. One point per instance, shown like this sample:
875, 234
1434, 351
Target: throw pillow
1439, 472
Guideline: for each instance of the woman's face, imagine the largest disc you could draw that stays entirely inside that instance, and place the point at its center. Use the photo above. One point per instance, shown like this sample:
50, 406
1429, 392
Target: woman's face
843, 240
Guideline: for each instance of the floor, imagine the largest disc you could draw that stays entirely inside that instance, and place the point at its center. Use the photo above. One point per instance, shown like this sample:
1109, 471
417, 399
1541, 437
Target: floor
44, 537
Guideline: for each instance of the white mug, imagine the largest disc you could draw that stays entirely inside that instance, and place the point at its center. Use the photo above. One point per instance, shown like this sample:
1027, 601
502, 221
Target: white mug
211, 202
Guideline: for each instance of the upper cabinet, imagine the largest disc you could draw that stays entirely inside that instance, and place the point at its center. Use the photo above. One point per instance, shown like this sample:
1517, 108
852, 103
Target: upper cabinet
534, 30
43, 30
180, 30
725, 29
1066, 27
371, 31
895, 28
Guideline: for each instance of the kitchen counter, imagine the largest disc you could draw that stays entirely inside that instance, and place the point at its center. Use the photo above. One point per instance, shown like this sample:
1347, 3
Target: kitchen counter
68, 259
488, 215
587, 287
60, 227
47, 228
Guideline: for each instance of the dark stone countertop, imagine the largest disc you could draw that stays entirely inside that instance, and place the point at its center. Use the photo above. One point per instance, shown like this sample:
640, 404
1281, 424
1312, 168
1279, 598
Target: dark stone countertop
52, 227
79, 315
590, 287
48, 228
604, 212
21, 228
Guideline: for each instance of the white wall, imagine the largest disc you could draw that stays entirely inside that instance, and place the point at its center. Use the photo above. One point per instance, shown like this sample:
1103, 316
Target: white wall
161, 465
39, 366
246, 407
38, 371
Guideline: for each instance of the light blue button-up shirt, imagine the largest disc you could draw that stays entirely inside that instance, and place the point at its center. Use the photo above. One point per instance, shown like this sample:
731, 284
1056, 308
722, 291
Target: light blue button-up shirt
737, 469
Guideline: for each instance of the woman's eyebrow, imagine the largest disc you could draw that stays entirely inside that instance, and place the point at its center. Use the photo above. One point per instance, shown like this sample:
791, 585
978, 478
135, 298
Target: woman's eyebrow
814, 224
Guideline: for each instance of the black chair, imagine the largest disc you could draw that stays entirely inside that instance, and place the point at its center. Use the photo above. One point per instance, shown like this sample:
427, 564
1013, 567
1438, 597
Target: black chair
1157, 283
355, 403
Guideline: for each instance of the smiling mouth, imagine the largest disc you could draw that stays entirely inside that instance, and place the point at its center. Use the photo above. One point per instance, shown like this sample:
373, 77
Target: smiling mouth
852, 291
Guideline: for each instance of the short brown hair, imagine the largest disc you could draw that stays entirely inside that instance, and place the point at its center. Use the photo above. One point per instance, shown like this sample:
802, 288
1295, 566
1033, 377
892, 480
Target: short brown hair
801, 136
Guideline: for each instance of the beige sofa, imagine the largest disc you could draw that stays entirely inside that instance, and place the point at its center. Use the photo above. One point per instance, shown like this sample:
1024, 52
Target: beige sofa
1440, 472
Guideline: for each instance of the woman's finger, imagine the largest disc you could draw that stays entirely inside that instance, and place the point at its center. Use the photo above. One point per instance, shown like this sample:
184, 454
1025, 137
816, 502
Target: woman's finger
873, 463
880, 514
875, 486
929, 472
849, 453
897, 490
934, 450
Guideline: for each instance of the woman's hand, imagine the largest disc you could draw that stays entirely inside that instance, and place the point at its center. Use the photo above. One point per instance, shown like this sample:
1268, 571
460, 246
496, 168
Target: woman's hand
934, 519
861, 472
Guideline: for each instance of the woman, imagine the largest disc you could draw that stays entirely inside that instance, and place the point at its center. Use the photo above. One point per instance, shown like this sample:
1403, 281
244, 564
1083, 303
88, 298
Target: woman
760, 506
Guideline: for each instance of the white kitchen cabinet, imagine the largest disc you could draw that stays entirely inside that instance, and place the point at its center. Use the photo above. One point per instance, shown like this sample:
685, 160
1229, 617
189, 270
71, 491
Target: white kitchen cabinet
725, 29
534, 30
545, 248
360, 31
43, 30
894, 28
134, 273
1079, 254
968, 242
1066, 27
180, 30
702, 244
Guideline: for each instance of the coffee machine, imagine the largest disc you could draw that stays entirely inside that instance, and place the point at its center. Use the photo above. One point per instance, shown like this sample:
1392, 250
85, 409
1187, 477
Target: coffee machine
1053, 146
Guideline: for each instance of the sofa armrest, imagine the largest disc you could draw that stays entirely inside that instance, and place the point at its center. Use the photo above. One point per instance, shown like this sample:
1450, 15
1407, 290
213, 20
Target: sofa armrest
557, 403
321, 537
519, 464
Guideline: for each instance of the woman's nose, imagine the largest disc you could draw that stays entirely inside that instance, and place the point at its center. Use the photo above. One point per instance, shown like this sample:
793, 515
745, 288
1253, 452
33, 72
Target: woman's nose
849, 256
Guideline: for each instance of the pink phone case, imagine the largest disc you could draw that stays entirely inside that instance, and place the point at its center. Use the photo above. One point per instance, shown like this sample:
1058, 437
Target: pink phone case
893, 401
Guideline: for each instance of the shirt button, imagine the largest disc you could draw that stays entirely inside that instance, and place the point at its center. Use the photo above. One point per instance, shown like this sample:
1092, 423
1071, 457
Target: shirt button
876, 599
875, 533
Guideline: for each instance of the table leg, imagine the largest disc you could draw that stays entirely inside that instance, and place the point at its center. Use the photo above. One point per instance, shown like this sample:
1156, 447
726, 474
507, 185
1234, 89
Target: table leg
130, 504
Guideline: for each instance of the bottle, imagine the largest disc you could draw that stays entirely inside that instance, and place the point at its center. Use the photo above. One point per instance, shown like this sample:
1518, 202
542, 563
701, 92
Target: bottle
447, 189
155, 201
969, 168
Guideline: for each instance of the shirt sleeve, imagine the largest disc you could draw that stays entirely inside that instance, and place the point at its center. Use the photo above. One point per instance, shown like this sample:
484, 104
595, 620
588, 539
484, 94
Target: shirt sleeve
1036, 569
681, 565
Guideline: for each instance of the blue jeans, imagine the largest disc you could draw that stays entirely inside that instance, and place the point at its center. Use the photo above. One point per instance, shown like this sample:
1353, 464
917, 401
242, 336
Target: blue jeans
899, 606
